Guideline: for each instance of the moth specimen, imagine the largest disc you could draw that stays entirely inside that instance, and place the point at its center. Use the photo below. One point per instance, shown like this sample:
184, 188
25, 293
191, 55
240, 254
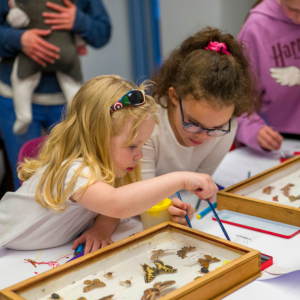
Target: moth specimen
150, 272
204, 262
267, 190
293, 198
182, 252
107, 297
93, 284
157, 253
151, 293
109, 275
126, 282
286, 189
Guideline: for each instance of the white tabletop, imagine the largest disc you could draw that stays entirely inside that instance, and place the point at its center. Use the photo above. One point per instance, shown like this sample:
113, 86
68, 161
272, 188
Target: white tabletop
233, 169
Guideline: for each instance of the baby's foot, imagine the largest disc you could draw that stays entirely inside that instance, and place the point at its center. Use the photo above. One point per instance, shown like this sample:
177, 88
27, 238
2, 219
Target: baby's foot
20, 127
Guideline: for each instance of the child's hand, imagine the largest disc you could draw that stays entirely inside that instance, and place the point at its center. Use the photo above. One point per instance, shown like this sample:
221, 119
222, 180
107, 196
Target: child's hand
94, 239
178, 210
201, 185
269, 139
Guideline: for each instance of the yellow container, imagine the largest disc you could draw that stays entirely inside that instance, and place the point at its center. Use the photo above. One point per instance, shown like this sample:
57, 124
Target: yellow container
157, 214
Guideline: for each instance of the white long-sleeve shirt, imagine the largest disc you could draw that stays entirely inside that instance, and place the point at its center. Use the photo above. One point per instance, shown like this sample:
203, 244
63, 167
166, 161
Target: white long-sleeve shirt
164, 154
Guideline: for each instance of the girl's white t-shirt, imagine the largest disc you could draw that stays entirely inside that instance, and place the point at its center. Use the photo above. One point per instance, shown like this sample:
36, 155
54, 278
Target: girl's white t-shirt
26, 225
163, 154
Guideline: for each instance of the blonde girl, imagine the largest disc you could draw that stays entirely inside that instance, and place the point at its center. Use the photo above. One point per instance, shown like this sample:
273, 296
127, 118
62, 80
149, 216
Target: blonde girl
88, 169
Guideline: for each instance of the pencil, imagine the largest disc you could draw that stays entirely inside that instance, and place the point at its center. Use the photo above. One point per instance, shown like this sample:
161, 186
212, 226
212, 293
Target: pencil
219, 221
186, 216
265, 118
198, 204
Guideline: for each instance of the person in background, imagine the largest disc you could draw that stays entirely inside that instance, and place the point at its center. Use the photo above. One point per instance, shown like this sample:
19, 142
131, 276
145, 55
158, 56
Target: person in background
271, 36
89, 20
201, 89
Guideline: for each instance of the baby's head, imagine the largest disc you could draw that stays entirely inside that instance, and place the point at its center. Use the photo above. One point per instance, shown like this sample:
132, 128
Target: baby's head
211, 78
111, 138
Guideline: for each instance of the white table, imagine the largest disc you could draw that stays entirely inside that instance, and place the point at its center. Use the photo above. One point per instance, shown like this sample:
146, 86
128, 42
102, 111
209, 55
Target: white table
233, 169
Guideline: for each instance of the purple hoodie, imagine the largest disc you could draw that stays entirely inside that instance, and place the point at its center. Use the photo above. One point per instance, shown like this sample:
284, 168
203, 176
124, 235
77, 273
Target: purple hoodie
273, 41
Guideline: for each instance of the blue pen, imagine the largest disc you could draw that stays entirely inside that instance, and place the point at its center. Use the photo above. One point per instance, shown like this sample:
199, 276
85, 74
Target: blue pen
265, 118
186, 216
219, 221
205, 211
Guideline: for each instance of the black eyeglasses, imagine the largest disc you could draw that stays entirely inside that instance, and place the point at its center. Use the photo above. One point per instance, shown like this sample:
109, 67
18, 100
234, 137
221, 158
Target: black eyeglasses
192, 128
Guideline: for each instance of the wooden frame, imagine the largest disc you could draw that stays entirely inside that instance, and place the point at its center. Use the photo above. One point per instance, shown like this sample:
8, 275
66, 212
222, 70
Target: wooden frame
231, 198
214, 285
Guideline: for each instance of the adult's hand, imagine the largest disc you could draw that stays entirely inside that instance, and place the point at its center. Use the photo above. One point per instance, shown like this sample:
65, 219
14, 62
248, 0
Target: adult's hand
269, 139
34, 46
64, 18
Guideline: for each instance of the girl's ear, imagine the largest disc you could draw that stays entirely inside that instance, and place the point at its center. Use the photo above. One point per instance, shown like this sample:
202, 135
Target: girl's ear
173, 96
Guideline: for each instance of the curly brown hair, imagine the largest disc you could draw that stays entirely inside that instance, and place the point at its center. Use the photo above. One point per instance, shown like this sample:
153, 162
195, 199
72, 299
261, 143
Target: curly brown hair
220, 79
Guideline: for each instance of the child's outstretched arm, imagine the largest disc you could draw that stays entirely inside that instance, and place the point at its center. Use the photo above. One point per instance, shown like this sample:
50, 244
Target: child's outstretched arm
133, 199
99, 235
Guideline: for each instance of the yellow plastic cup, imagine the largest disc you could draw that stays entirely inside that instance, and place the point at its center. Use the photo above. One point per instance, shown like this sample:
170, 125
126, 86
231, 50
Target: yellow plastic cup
157, 214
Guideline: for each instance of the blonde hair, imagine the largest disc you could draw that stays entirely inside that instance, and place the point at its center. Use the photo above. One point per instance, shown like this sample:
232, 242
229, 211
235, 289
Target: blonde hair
85, 134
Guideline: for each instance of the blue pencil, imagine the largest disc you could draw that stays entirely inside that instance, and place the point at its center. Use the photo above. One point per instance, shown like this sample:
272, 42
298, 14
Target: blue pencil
219, 221
206, 211
265, 118
186, 216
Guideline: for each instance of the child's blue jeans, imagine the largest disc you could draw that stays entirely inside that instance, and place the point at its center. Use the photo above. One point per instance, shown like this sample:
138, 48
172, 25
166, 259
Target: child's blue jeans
44, 116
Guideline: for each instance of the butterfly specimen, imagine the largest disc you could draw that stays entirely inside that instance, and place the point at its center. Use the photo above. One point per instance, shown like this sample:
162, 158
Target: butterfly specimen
93, 284
182, 252
286, 189
109, 275
157, 253
267, 190
205, 262
293, 198
126, 282
33, 262
162, 268
275, 198
107, 297
151, 293
55, 296
150, 272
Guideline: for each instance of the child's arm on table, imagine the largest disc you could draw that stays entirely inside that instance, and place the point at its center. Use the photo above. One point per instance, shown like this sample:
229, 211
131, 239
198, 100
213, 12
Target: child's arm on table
178, 210
99, 235
135, 198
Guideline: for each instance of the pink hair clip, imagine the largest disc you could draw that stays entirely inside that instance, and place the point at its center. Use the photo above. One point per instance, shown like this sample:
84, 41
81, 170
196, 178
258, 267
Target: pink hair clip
218, 47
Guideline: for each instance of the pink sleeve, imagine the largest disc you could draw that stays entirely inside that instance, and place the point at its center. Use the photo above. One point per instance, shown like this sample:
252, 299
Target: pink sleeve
248, 127
248, 130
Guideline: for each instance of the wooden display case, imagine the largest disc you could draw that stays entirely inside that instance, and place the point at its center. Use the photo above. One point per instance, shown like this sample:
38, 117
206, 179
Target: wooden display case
125, 257
247, 197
